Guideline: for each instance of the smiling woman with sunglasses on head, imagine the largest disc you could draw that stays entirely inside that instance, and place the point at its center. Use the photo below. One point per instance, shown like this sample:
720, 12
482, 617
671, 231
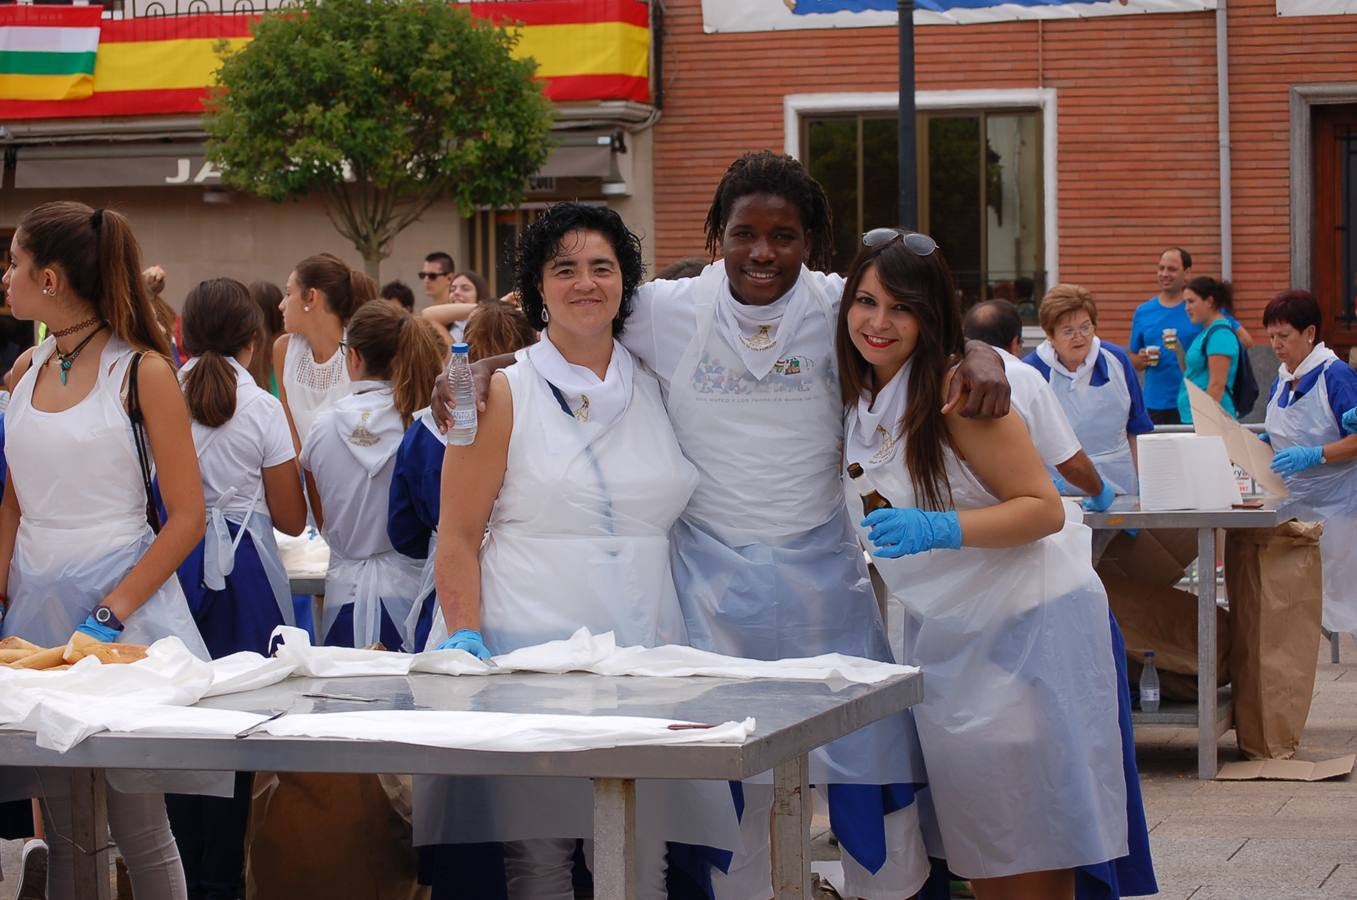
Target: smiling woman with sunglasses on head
1019, 725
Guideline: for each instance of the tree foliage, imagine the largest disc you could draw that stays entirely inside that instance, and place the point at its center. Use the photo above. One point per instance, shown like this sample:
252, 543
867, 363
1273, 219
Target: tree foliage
383, 106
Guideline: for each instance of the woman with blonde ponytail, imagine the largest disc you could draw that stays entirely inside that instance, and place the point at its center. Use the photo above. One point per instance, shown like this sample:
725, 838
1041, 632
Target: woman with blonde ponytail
322, 293
82, 547
348, 456
235, 583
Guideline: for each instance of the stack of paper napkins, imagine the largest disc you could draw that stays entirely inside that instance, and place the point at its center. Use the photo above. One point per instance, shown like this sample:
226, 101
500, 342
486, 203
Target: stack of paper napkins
1185, 471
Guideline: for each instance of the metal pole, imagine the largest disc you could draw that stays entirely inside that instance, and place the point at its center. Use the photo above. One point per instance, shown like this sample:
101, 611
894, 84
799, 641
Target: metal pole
907, 156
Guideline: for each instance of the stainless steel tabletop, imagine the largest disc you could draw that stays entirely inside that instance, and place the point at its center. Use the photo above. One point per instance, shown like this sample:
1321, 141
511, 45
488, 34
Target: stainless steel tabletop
792, 718
1125, 512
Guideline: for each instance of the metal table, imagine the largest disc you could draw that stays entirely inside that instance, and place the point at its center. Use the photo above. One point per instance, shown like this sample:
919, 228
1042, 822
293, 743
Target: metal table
1211, 716
306, 584
793, 717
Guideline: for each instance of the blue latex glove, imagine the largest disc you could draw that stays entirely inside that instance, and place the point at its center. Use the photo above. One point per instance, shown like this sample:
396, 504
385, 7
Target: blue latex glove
1064, 487
98, 630
467, 639
1104, 499
1297, 459
1350, 421
1265, 438
904, 532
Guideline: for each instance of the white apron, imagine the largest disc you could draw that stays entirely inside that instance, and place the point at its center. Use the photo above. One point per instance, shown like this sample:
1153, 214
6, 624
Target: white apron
1019, 719
578, 537
1326, 493
83, 528
219, 548
765, 559
1099, 416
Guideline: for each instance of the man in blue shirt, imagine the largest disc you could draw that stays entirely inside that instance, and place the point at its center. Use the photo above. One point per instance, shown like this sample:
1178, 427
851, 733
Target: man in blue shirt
1166, 311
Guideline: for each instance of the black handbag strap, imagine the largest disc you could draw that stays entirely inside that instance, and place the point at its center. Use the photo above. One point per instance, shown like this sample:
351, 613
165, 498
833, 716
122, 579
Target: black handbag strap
143, 443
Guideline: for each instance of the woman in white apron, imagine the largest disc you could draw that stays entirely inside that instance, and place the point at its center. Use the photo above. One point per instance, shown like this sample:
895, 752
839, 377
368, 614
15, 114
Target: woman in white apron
76, 520
348, 458
322, 294
235, 583
1005, 615
1305, 409
1094, 382
561, 521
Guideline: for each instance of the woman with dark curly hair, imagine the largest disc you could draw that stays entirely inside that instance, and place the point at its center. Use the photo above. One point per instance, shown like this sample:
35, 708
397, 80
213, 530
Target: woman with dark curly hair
578, 478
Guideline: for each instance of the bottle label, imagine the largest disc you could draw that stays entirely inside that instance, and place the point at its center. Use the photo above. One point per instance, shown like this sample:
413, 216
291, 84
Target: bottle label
464, 418
1149, 695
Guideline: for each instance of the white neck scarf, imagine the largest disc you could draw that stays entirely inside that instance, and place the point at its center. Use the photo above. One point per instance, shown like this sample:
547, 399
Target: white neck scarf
591, 399
761, 335
1046, 353
875, 437
1317, 357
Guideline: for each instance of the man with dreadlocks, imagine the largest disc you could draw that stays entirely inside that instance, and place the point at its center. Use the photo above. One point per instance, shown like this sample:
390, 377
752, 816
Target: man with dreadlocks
765, 559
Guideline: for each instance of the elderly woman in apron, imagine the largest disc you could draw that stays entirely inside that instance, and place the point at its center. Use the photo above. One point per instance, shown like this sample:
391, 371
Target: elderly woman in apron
78, 542
1019, 721
348, 457
1094, 382
1305, 410
235, 583
559, 519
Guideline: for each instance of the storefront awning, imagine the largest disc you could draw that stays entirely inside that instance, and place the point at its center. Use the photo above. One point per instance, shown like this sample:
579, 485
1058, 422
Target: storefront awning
117, 166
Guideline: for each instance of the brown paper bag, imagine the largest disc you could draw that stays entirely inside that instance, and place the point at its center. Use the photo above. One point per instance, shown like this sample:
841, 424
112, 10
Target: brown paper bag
342, 837
1275, 588
1164, 619
1155, 556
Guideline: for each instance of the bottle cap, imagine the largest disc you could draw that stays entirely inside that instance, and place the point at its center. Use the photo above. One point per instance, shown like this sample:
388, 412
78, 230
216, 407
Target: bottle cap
854, 470
1149, 654
461, 347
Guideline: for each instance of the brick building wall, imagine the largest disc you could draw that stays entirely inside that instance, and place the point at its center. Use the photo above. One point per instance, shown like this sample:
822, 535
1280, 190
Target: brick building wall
1137, 126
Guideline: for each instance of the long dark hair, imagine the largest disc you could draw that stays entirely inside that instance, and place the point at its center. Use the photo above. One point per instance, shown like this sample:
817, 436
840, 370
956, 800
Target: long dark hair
266, 296
1220, 293
102, 260
924, 285
220, 320
400, 347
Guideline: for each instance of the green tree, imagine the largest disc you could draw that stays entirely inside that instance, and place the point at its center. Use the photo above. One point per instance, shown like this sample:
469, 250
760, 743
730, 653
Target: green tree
383, 106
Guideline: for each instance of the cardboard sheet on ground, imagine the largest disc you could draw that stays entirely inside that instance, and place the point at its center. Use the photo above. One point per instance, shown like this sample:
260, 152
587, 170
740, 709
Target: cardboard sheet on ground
1286, 769
1243, 446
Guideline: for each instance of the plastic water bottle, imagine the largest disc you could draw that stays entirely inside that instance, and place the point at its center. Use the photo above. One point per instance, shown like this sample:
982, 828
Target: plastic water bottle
463, 387
1149, 685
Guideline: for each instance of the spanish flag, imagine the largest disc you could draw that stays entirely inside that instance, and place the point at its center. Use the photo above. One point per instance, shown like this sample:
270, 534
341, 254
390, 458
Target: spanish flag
48, 53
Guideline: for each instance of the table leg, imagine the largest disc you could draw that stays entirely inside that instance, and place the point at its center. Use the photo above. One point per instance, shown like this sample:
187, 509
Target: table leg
1206, 654
614, 839
93, 853
791, 829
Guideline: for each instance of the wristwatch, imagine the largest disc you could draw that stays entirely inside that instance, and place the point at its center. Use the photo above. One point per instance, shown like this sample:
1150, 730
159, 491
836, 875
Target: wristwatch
105, 616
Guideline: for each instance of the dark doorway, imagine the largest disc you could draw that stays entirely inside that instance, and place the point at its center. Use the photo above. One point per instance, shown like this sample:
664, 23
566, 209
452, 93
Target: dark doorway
1333, 267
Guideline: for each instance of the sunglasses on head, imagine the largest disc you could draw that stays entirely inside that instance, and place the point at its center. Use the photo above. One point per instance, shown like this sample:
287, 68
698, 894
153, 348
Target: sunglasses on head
916, 242
426, 275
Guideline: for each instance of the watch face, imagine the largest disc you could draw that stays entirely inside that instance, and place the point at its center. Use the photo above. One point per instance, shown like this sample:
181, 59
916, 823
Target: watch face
103, 614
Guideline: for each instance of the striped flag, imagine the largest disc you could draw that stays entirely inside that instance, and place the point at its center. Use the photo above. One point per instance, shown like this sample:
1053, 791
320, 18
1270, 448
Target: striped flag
47, 53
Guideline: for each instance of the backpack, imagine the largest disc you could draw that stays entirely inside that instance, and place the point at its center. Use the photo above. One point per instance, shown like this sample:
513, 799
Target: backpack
1244, 392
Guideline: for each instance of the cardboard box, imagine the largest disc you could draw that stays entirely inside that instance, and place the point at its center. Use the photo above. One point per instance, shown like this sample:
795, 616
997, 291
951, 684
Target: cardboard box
1157, 557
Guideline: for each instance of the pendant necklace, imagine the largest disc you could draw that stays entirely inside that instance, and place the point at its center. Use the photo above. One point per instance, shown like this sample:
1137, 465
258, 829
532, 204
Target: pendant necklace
582, 414
68, 359
761, 340
887, 446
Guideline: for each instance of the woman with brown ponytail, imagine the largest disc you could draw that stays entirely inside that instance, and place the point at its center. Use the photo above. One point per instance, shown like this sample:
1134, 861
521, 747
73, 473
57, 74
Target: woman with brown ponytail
322, 294
235, 583
348, 457
79, 548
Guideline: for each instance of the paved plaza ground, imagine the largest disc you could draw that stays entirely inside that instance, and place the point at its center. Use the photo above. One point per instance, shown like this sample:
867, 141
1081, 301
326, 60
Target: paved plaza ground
1225, 840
